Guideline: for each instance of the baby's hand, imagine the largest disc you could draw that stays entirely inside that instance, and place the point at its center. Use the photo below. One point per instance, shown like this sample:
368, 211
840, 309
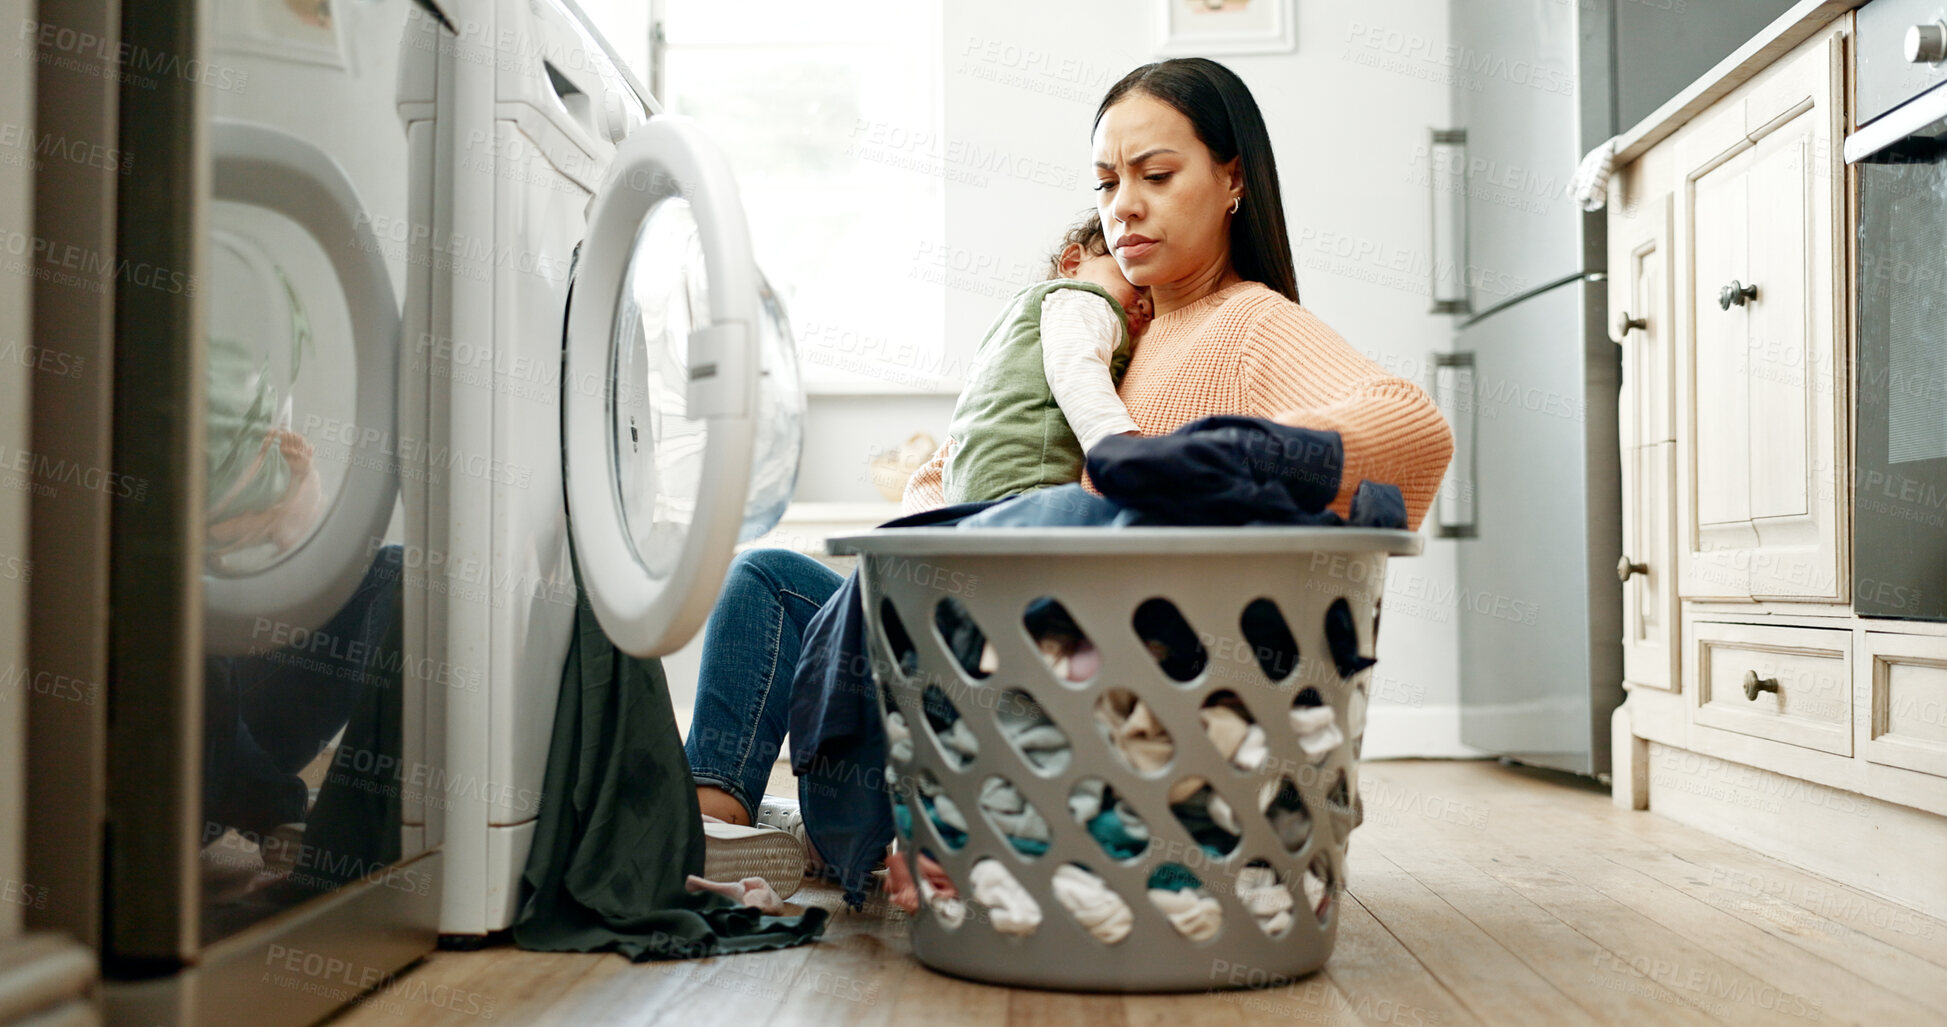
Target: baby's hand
1140, 313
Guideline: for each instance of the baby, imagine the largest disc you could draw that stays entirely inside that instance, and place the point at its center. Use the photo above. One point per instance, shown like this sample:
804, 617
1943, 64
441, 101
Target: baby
1042, 391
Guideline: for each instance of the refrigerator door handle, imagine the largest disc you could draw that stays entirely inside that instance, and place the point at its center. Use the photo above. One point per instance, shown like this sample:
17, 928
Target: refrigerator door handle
1447, 221
1579, 276
1456, 514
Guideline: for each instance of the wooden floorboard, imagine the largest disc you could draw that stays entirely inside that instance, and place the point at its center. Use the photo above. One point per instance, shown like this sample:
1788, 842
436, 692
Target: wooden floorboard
1480, 893
1554, 950
1381, 980
1887, 948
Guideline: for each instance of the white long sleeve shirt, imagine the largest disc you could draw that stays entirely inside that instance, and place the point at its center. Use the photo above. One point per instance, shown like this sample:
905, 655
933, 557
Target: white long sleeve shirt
1079, 332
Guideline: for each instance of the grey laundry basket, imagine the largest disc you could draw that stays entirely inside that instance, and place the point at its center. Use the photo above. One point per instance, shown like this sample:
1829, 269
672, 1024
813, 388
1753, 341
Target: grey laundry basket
1102, 577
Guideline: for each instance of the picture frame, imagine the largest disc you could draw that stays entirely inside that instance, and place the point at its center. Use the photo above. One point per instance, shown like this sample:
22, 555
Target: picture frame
1211, 28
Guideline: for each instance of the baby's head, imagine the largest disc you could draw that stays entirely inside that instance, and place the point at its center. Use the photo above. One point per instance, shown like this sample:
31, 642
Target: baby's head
1084, 256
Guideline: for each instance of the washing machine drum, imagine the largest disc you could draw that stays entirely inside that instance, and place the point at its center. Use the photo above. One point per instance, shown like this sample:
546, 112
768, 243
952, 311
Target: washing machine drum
778, 448
301, 368
695, 443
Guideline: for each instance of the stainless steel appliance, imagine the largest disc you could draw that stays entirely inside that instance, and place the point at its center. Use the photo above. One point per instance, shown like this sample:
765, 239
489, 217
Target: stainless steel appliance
1534, 498
1899, 521
214, 793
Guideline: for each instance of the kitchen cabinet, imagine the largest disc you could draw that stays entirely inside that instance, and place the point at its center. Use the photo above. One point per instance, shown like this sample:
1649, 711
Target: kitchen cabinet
1760, 706
1758, 446
1640, 296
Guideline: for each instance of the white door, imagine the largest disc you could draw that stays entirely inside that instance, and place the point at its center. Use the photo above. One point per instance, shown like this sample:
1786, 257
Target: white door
670, 312
303, 330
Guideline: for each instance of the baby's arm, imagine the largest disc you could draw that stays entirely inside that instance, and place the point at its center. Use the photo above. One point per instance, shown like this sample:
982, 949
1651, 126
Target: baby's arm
1079, 332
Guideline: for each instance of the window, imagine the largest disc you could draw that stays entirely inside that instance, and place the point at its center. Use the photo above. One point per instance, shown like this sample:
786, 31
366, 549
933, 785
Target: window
831, 116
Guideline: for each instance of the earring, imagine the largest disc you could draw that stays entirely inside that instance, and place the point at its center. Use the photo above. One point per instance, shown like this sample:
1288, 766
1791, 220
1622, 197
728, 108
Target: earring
1236, 202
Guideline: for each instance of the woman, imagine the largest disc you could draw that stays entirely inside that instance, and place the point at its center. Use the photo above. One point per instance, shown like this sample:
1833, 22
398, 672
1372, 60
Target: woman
1187, 191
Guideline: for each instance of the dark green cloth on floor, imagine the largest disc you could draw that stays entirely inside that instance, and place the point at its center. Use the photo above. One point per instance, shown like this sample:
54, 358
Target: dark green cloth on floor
620, 827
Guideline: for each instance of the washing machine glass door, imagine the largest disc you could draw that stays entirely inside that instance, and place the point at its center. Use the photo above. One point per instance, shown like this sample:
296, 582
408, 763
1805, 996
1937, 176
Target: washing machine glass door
301, 387
665, 316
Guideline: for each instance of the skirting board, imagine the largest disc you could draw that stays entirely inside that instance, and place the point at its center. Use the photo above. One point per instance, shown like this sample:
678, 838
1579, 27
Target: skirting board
1395, 732
1889, 850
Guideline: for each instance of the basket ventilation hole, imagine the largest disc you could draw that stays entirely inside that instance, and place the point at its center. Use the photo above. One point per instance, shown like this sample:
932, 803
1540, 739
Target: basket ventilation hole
1270, 639
1236, 734
1108, 818
1179, 895
963, 638
1027, 727
1342, 637
1064, 646
1013, 817
897, 639
1010, 909
899, 732
1207, 816
937, 890
1131, 729
1263, 891
1092, 903
1316, 725
1346, 811
956, 740
1289, 818
1170, 639
1320, 888
948, 821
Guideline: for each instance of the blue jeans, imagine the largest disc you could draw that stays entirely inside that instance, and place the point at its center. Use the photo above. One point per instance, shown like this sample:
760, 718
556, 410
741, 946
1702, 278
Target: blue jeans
750, 654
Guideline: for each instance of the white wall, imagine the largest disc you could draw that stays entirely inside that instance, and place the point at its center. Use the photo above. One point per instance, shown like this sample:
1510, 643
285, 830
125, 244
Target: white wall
1023, 78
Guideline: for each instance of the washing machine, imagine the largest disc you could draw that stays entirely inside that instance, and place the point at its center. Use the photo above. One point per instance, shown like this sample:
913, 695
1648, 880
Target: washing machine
298, 313
595, 357
302, 325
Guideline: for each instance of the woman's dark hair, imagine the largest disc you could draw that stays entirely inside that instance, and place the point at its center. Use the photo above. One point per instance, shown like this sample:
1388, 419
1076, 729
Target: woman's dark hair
1086, 232
1226, 120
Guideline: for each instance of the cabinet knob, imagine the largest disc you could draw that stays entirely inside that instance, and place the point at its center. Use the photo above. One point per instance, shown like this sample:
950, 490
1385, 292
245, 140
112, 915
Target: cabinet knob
1926, 44
1736, 295
1624, 569
1626, 324
1753, 684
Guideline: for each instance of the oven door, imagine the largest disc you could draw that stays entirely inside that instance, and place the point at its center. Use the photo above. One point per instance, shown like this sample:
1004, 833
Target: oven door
1900, 487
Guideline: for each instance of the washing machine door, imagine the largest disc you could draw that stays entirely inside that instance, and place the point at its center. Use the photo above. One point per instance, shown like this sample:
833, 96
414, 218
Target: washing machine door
666, 322
301, 399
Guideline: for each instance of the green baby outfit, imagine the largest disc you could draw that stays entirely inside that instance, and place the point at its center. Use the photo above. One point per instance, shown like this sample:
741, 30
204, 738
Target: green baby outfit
1008, 432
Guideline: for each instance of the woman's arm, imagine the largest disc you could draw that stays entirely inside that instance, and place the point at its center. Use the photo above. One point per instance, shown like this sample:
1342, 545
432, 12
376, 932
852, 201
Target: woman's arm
1296, 370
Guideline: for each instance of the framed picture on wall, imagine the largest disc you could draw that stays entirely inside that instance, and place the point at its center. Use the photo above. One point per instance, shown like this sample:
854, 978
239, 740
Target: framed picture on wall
1210, 28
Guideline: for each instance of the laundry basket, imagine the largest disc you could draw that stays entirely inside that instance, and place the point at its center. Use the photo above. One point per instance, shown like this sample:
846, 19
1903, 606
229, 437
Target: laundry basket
999, 757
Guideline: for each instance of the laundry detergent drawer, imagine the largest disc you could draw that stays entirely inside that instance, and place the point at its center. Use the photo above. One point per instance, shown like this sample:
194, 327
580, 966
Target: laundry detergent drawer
1784, 683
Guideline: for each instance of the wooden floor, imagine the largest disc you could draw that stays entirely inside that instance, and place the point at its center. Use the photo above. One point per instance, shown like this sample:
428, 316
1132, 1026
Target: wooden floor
1480, 894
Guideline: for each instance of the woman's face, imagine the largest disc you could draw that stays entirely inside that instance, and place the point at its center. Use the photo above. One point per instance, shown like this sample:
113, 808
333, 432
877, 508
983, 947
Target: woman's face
1165, 203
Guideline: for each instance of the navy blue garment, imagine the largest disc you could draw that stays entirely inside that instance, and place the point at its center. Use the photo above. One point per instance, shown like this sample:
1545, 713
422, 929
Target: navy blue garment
1236, 470
838, 737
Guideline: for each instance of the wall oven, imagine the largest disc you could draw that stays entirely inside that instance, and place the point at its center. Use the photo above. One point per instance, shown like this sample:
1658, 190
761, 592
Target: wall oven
1899, 510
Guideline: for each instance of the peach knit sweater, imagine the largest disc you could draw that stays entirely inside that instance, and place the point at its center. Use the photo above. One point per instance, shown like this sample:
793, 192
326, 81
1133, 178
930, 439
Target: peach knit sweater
1247, 350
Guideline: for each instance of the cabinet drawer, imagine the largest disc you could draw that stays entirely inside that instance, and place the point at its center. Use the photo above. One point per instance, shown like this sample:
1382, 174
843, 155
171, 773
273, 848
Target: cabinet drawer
1804, 676
1903, 679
